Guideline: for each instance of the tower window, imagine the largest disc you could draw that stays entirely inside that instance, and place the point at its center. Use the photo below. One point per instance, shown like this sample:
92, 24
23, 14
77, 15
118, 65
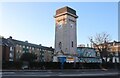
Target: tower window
72, 43
60, 45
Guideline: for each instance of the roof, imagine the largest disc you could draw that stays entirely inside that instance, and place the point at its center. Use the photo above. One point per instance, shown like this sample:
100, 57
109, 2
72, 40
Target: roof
13, 42
5, 42
116, 42
85, 47
65, 9
25, 43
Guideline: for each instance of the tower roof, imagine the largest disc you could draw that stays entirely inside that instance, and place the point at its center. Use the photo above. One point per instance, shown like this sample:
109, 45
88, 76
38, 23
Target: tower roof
65, 9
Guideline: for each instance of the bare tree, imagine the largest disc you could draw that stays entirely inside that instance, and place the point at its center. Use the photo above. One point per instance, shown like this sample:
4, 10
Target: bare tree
100, 42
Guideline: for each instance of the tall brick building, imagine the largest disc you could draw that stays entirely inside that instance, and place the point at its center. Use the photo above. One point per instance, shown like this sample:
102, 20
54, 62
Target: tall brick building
12, 50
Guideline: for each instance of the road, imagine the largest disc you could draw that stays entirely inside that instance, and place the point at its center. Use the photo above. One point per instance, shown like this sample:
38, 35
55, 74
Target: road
61, 74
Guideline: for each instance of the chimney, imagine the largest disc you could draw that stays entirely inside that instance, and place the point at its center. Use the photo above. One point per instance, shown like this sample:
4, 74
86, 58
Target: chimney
40, 44
10, 37
26, 41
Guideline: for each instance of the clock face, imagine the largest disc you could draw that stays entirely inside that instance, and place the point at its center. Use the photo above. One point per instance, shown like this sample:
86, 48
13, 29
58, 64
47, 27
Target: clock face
71, 25
59, 25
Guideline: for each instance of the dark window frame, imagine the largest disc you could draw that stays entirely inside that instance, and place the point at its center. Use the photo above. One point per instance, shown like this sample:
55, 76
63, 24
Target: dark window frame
72, 43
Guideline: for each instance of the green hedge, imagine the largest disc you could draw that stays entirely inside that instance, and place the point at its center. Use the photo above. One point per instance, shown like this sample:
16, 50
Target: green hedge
57, 65
11, 65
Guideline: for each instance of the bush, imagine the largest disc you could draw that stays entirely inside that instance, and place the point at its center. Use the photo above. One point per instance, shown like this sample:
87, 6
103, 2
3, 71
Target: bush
57, 65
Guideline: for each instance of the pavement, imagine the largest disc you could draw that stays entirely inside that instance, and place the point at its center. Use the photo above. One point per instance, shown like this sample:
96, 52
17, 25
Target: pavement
61, 70
61, 73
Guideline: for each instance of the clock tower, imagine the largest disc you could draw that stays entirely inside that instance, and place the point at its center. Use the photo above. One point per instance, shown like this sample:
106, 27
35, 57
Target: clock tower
65, 33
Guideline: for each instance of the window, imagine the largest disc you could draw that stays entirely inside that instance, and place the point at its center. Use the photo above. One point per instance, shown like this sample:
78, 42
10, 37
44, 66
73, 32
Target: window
116, 54
11, 55
23, 51
40, 49
20, 45
60, 45
11, 49
30, 51
23, 46
32, 48
72, 43
17, 45
27, 47
17, 51
20, 51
